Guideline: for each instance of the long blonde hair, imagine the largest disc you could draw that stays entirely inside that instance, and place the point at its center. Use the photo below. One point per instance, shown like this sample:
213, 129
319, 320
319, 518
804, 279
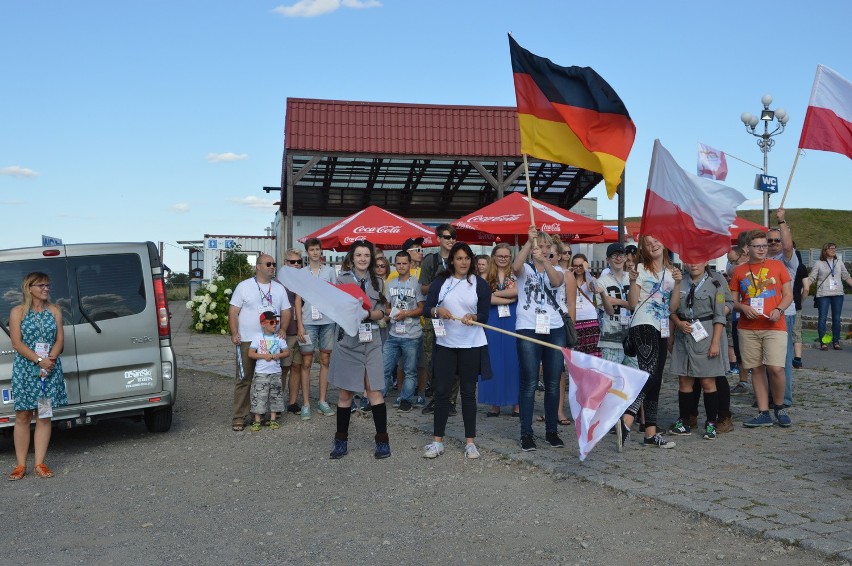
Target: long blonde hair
32, 279
491, 275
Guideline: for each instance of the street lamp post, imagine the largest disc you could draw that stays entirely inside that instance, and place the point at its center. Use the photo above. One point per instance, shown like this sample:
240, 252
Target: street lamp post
764, 140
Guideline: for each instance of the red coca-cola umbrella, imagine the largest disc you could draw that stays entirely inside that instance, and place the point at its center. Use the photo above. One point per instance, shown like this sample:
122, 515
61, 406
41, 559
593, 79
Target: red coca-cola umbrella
381, 227
510, 217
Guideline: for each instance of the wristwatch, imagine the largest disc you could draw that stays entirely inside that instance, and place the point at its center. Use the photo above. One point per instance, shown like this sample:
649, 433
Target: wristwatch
38, 361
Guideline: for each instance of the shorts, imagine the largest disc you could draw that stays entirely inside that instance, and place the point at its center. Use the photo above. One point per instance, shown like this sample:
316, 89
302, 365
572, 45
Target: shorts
267, 395
295, 356
762, 347
797, 328
322, 338
618, 356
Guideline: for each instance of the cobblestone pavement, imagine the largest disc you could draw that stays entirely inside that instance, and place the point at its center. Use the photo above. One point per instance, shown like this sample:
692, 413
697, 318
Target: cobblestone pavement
793, 485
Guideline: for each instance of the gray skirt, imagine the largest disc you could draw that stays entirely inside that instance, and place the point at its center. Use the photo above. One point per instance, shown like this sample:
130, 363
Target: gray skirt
689, 358
350, 359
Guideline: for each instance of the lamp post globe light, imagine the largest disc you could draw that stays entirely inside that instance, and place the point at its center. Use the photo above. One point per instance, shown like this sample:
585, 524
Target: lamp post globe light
778, 119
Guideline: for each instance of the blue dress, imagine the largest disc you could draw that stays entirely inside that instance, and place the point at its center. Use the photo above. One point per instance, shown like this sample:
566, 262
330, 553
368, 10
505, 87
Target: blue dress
26, 386
501, 390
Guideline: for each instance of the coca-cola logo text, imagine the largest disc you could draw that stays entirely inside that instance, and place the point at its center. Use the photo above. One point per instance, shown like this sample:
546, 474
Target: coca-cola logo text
551, 227
376, 230
501, 218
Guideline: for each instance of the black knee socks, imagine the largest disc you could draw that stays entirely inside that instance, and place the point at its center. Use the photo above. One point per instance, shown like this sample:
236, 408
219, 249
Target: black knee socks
711, 406
380, 418
684, 403
724, 398
343, 415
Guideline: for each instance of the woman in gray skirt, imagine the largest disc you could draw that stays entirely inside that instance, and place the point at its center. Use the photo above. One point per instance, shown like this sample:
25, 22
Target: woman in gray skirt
356, 361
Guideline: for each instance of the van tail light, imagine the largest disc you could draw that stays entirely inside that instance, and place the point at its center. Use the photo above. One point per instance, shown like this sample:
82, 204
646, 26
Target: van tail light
163, 324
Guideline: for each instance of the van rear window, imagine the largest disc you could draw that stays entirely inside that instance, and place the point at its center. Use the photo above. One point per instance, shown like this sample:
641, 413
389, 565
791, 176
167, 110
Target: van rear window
110, 286
12, 274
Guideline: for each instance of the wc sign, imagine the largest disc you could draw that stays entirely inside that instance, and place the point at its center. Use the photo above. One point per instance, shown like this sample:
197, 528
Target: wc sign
766, 183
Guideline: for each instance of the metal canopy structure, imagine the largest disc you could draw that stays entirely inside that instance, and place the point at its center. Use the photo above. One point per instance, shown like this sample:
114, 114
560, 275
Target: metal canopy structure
416, 160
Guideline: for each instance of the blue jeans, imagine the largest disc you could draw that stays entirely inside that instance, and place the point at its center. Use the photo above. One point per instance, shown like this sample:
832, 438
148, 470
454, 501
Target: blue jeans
530, 357
788, 361
409, 350
836, 304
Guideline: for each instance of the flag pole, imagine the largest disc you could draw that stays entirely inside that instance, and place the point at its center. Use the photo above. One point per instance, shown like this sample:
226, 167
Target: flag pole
790, 178
648, 186
529, 189
509, 333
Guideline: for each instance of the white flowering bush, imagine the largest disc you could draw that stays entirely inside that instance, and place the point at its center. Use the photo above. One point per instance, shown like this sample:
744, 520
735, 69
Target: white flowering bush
209, 306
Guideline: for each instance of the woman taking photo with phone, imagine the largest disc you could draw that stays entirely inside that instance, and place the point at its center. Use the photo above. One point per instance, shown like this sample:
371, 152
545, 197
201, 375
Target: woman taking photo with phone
38, 387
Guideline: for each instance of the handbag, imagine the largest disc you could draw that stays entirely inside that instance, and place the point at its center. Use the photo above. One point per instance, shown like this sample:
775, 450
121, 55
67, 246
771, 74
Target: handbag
570, 329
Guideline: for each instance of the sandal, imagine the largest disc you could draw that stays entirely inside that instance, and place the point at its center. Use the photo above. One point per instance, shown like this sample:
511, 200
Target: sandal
566, 422
492, 414
539, 419
238, 427
516, 414
823, 347
274, 425
256, 426
42, 471
18, 473
837, 346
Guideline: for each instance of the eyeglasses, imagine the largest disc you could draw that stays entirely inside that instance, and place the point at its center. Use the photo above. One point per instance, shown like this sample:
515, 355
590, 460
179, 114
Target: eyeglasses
566, 253
617, 255
415, 250
448, 237
773, 241
42, 286
381, 265
267, 264
502, 257
759, 246
831, 248
577, 266
295, 261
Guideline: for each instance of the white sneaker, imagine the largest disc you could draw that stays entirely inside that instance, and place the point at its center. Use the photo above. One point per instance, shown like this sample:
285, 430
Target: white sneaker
470, 451
434, 450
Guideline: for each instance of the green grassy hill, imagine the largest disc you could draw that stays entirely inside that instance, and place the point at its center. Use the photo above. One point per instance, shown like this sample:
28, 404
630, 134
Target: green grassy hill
811, 227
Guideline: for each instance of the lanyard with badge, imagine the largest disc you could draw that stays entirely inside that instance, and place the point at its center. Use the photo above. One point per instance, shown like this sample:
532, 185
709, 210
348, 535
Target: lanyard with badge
42, 349
503, 310
399, 326
755, 302
542, 317
624, 314
698, 331
437, 323
658, 286
832, 282
265, 298
365, 329
315, 312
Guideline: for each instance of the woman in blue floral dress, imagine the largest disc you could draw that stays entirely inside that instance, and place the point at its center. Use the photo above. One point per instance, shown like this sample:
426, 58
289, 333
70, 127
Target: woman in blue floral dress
37, 383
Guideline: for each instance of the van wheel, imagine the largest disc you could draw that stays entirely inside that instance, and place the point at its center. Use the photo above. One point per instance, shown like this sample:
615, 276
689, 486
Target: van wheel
158, 419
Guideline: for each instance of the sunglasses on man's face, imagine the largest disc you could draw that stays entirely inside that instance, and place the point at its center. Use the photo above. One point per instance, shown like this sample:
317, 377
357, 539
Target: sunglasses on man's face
448, 237
773, 241
268, 264
416, 250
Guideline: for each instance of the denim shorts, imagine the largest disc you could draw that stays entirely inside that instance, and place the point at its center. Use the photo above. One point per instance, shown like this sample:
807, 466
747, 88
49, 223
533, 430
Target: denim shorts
322, 338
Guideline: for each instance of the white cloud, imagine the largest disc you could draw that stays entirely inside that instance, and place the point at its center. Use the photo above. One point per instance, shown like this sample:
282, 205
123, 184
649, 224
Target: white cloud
255, 202
753, 202
181, 207
225, 157
312, 8
18, 171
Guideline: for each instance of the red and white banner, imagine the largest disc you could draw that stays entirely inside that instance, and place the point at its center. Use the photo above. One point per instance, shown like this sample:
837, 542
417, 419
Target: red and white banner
828, 122
599, 393
689, 215
712, 163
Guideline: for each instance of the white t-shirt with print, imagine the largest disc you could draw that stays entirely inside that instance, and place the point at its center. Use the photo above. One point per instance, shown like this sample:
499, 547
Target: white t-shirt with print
252, 298
532, 298
655, 292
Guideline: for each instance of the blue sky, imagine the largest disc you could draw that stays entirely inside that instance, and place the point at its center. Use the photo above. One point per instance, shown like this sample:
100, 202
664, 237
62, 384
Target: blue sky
162, 120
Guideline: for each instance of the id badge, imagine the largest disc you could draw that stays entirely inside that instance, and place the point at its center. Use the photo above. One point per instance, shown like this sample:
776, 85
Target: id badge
832, 284
315, 313
542, 323
399, 326
365, 332
664, 328
438, 325
306, 341
698, 332
42, 349
757, 304
503, 311
624, 318
45, 410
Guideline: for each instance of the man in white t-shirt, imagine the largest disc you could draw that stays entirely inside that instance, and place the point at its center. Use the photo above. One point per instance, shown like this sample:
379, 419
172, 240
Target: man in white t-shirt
250, 299
781, 247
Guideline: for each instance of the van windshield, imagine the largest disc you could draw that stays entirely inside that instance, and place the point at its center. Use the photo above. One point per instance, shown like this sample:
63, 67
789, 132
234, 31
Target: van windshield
12, 274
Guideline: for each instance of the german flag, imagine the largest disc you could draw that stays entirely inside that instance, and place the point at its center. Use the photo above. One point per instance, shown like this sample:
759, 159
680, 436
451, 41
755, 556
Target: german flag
571, 115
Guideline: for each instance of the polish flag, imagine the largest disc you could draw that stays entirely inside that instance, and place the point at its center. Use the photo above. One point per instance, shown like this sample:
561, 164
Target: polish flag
599, 392
828, 122
689, 215
711, 163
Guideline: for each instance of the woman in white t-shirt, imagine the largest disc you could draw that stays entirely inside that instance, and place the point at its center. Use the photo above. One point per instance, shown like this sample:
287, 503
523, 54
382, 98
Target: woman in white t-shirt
588, 327
457, 298
654, 296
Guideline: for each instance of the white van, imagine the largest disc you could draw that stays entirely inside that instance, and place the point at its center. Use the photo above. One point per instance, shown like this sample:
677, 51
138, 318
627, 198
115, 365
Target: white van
118, 359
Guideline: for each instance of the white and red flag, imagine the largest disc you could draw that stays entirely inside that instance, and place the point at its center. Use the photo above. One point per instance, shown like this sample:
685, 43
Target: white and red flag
828, 122
599, 393
712, 163
689, 215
